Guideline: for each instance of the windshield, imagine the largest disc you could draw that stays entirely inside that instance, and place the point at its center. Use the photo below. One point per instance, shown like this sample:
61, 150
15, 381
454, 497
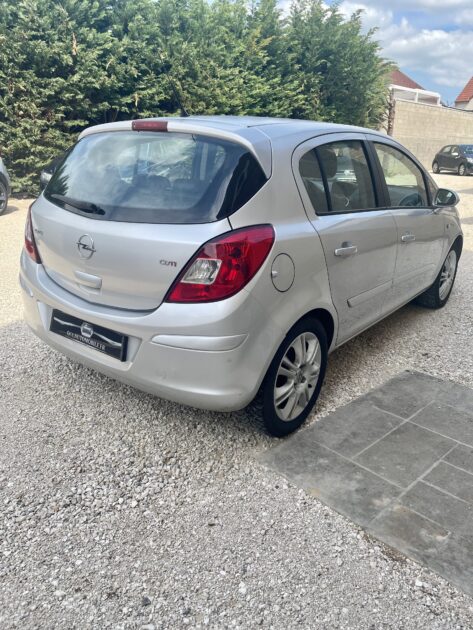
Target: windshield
155, 177
467, 149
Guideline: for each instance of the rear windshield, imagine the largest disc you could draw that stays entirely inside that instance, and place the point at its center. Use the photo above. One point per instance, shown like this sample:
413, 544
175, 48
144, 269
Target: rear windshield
155, 177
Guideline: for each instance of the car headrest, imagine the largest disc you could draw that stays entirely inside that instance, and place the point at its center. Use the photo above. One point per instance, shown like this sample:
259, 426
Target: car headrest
329, 161
308, 167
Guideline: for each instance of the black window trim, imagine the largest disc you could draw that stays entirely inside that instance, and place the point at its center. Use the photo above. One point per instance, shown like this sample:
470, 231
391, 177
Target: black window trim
382, 179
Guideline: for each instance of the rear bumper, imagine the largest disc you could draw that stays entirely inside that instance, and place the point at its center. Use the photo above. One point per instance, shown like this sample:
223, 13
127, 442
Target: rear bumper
211, 356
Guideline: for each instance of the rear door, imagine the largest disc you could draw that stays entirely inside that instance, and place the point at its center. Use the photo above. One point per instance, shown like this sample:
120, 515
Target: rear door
358, 238
420, 229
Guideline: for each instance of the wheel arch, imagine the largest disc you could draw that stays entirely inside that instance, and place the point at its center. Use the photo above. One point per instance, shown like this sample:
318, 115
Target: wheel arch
325, 318
458, 245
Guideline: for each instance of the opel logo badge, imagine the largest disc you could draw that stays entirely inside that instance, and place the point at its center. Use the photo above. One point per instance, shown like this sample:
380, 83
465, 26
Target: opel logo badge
86, 330
85, 245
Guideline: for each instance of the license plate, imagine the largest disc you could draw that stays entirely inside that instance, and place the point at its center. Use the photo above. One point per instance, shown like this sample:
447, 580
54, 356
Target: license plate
104, 340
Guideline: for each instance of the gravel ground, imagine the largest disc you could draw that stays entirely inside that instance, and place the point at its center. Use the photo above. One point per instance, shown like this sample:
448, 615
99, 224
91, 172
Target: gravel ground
120, 510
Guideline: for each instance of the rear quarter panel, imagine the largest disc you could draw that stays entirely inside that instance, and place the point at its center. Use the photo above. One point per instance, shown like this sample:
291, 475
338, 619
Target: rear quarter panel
279, 204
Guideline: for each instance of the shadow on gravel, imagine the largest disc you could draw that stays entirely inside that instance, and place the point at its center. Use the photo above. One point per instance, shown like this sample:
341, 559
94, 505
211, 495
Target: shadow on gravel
10, 210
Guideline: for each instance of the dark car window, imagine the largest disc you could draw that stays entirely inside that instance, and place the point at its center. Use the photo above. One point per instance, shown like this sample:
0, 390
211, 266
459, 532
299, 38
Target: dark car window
404, 179
455, 151
347, 174
155, 177
311, 174
467, 149
446, 150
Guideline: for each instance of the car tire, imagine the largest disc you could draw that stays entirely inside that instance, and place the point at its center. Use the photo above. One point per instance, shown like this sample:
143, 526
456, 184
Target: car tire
3, 197
462, 169
438, 293
299, 365
435, 168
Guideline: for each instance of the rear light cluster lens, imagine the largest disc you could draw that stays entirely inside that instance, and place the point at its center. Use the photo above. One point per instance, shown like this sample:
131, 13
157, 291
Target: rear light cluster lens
30, 243
223, 266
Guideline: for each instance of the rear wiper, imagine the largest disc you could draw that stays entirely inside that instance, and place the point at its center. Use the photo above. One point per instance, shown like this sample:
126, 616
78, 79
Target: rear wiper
84, 206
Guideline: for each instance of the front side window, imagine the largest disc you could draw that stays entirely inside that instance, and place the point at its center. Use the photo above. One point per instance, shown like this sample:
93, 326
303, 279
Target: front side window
347, 174
155, 177
404, 179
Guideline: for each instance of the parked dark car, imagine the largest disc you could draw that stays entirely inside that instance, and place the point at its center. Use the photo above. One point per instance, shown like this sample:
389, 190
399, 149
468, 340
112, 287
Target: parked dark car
455, 158
5, 187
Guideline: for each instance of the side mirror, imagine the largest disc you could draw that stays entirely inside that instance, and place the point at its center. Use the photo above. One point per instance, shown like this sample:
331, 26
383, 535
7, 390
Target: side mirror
445, 197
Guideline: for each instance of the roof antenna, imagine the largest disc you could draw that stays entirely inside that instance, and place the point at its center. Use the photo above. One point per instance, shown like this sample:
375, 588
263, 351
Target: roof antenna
166, 67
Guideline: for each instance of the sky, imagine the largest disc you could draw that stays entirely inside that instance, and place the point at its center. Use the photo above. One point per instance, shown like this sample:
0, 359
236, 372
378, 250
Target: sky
430, 40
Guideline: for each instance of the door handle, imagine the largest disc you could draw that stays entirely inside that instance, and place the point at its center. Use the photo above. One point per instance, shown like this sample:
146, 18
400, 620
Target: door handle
408, 238
347, 249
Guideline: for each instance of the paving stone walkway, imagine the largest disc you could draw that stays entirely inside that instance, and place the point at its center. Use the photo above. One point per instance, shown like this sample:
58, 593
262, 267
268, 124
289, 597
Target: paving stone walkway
399, 462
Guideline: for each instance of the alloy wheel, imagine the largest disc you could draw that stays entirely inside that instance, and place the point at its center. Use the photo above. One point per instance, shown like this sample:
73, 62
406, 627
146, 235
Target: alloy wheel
462, 169
447, 275
297, 376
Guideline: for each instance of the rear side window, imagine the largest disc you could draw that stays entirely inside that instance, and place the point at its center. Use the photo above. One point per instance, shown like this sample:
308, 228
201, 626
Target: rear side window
155, 177
348, 176
311, 175
404, 179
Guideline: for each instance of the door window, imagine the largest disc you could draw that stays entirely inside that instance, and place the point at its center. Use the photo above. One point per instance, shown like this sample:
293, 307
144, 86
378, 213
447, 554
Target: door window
347, 175
311, 175
446, 150
404, 179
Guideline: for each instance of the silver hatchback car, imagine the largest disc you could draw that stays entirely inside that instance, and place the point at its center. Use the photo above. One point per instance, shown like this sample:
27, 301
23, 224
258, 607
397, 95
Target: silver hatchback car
216, 261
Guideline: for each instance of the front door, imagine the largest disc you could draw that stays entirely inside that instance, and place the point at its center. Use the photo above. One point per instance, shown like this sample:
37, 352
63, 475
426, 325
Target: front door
455, 159
444, 157
420, 230
358, 238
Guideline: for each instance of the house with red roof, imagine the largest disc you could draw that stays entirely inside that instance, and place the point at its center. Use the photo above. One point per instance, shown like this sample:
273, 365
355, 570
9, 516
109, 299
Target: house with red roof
404, 88
465, 99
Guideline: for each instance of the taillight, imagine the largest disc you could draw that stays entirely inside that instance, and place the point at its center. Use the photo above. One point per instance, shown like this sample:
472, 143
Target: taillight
30, 243
223, 266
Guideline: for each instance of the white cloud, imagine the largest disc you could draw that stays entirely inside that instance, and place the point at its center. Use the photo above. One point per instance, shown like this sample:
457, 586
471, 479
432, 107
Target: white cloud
445, 55
464, 18
372, 17
421, 5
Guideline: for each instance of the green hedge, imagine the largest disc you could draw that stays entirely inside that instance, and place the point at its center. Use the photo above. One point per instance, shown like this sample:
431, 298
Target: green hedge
70, 64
